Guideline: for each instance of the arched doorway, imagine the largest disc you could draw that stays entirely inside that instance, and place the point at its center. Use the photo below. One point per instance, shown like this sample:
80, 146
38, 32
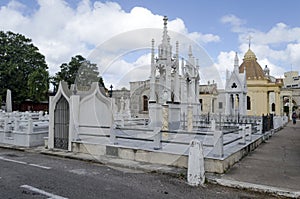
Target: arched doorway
61, 124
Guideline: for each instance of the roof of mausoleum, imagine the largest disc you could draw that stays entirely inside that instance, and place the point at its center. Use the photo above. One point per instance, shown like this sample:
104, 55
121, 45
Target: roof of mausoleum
253, 69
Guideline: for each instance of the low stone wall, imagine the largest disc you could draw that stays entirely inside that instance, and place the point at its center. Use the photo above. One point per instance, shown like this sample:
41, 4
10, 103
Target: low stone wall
23, 139
212, 165
25, 129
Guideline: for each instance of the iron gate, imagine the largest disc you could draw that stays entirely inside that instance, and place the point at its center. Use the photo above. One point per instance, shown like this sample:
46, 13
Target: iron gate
61, 124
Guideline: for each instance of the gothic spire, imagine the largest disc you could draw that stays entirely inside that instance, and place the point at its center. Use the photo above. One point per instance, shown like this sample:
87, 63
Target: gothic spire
236, 63
165, 33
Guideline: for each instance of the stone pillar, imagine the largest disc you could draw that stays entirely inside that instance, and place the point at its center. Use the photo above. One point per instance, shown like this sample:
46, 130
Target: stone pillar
281, 105
183, 90
168, 83
176, 88
8, 101
268, 102
227, 104
213, 125
174, 116
290, 107
152, 97
30, 126
242, 104
74, 120
155, 115
277, 103
165, 118
190, 118
51, 123
17, 123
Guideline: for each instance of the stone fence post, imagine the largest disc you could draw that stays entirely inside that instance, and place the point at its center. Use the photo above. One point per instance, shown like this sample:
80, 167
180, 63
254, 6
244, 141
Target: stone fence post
259, 123
196, 171
218, 149
157, 138
17, 123
249, 132
6, 125
190, 118
30, 126
213, 125
113, 139
242, 134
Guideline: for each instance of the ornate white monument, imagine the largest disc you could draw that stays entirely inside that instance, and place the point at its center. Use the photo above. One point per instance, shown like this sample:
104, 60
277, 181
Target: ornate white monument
168, 89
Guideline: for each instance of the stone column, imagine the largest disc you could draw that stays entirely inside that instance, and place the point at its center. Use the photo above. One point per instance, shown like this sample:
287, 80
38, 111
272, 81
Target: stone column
165, 120
152, 76
176, 88
190, 118
268, 102
168, 83
8, 101
74, 119
290, 107
183, 90
281, 105
277, 103
227, 104
51, 123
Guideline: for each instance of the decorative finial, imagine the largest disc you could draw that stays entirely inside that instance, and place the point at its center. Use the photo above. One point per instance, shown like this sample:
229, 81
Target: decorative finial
190, 51
177, 48
166, 38
165, 20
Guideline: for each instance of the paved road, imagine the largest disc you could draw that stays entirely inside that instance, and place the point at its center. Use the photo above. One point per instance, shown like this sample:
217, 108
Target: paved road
275, 163
31, 175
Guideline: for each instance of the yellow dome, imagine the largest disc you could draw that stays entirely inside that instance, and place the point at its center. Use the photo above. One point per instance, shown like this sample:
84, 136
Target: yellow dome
249, 55
253, 69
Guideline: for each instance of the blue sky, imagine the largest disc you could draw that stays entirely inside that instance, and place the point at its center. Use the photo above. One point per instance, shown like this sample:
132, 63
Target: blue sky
62, 29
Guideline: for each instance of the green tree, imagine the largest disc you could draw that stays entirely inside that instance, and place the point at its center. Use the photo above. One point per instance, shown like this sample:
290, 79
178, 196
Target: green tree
78, 71
21, 66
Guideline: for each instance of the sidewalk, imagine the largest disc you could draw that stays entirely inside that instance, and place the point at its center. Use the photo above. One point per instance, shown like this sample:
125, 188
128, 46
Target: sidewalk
274, 165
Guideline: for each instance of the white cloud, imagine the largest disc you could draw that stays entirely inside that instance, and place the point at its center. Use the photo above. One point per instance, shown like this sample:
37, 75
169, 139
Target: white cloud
280, 33
120, 72
235, 22
61, 32
278, 47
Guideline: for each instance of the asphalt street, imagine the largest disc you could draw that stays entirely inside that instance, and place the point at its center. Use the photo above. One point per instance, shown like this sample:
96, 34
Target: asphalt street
31, 175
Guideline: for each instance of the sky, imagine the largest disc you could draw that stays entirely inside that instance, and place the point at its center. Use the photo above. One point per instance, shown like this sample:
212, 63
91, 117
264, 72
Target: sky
117, 34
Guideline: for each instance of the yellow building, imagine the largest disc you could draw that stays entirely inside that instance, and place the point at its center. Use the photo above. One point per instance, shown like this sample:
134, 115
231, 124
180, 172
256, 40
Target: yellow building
263, 95
208, 98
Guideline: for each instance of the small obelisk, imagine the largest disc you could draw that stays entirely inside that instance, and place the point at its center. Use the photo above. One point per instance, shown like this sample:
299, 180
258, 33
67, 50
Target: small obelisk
8, 101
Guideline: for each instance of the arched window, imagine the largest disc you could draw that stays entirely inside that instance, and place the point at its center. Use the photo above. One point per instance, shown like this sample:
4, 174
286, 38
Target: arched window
231, 101
248, 103
201, 107
172, 97
273, 107
145, 103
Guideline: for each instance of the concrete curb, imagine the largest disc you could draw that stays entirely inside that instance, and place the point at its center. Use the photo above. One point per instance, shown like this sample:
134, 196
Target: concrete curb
129, 164
255, 187
106, 160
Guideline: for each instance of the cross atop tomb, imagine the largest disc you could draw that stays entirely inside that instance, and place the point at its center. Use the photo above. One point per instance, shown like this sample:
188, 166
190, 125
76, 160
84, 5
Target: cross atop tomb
249, 40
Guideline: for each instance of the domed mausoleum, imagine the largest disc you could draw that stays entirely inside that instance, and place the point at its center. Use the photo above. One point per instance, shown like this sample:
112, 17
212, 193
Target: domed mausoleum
263, 95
